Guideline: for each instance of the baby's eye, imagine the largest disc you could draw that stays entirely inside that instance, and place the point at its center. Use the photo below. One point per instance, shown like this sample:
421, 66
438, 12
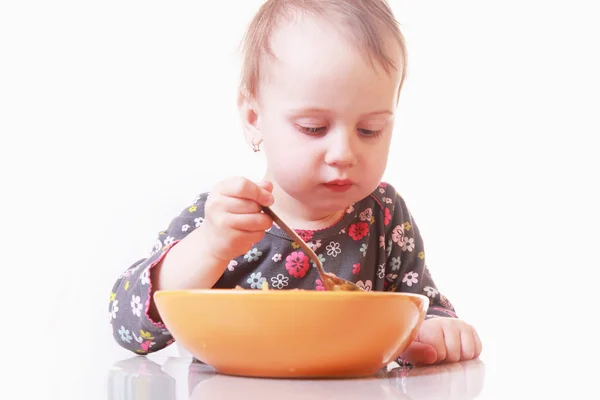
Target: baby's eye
369, 133
312, 130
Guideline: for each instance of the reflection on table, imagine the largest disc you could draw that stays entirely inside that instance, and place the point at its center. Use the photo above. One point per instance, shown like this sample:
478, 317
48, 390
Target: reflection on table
180, 378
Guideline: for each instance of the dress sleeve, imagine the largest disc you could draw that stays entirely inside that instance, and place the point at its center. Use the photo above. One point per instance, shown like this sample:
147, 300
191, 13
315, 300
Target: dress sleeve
131, 295
406, 267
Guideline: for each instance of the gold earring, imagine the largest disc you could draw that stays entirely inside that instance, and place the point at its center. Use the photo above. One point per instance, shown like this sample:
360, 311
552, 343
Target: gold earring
256, 146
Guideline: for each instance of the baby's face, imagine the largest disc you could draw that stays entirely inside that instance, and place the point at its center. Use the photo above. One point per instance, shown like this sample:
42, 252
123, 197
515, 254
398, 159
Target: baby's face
325, 114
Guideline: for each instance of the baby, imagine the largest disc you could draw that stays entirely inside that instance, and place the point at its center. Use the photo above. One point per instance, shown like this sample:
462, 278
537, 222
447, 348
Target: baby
320, 87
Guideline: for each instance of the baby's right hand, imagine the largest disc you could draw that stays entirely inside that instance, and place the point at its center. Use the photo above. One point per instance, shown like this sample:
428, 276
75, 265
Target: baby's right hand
233, 219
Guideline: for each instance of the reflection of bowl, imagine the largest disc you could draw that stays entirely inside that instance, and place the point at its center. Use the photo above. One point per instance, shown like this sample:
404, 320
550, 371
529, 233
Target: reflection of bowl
292, 333
463, 380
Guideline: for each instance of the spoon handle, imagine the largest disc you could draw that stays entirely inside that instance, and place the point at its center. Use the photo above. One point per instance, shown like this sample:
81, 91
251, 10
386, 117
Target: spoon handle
313, 256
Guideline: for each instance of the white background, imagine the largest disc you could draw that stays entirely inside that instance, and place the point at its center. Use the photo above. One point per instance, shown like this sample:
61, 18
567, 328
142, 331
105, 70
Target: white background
115, 114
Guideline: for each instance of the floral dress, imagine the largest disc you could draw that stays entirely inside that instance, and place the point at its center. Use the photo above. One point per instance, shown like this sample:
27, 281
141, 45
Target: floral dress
376, 244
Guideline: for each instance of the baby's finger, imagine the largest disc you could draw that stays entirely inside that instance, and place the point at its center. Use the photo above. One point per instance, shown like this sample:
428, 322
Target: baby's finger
235, 205
248, 222
420, 354
245, 189
452, 340
267, 185
478, 345
467, 344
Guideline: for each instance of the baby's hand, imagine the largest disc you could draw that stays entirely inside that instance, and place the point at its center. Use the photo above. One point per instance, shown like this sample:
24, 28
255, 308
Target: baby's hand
233, 219
443, 340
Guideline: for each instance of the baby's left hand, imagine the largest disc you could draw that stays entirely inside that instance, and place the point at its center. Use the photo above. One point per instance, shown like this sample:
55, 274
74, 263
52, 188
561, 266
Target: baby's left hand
443, 340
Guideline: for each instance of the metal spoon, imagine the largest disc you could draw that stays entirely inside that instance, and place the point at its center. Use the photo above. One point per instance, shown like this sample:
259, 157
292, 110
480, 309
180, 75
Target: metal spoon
330, 281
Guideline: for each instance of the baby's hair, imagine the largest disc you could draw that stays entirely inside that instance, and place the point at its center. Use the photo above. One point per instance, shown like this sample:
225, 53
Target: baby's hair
366, 23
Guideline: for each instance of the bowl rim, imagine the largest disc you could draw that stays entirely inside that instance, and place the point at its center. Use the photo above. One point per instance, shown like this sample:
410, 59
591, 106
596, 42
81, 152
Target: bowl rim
285, 292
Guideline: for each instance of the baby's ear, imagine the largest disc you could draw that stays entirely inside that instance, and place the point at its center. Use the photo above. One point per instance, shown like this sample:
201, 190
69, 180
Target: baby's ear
248, 108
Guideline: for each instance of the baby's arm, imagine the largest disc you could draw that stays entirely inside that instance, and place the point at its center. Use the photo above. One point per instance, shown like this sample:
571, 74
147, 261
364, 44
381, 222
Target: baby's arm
406, 269
132, 316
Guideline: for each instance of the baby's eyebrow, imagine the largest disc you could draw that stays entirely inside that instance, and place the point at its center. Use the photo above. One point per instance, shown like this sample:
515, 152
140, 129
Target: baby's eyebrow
319, 110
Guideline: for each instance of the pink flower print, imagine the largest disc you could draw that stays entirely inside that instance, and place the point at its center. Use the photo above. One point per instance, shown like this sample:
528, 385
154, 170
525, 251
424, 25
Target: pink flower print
387, 217
366, 215
359, 230
383, 185
297, 264
366, 286
356, 268
398, 234
350, 209
382, 241
145, 345
320, 285
314, 245
410, 278
445, 302
170, 342
305, 235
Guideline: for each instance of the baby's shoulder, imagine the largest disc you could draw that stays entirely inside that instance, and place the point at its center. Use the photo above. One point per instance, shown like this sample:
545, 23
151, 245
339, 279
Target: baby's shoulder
384, 197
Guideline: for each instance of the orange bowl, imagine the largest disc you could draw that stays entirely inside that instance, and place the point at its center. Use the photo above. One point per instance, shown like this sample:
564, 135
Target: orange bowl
292, 333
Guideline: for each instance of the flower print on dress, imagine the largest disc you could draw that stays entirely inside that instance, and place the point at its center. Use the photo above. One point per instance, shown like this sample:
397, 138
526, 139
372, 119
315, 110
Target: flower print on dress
276, 257
366, 215
314, 244
359, 230
320, 285
320, 257
169, 240
145, 277
157, 246
185, 228
445, 302
356, 268
199, 221
363, 249
232, 264
256, 280
398, 234
297, 264
410, 278
136, 305
391, 277
366, 286
408, 244
395, 263
114, 309
253, 255
125, 336
381, 271
333, 249
280, 281
146, 345
387, 216
431, 292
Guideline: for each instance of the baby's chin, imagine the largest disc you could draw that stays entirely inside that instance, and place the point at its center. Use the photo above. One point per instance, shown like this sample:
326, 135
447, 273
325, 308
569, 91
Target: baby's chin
327, 201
